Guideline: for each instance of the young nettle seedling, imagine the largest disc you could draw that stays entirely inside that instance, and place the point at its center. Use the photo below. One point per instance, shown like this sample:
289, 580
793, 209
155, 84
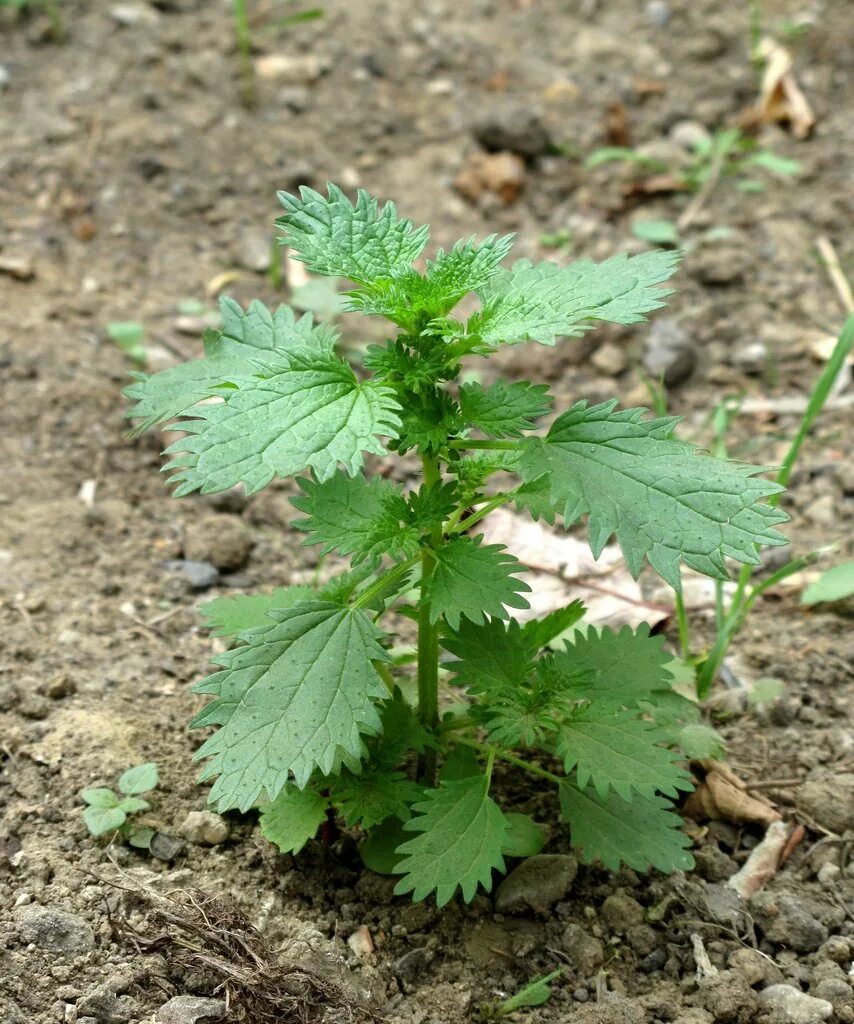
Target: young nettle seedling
108, 812
313, 714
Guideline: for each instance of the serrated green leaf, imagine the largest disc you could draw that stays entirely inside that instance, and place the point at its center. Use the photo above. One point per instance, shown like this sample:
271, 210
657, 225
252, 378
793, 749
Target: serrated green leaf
293, 818
461, 835
100, 797
426, 424
309, 412
355, 516
665, 500
835, 584
539, 302
139, 779
336, 238
540, 632
379, 850
524, 837
472, 579
247, 340
296, 698
503, 410
617, 750
493, 655
231, 616
402, 732
699, 741
100, 820
373, 796
641, 833
461, 763
535, 498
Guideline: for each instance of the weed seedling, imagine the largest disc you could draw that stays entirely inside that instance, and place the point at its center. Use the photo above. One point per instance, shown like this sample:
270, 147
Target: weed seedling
50, 8
314, 716
109, 812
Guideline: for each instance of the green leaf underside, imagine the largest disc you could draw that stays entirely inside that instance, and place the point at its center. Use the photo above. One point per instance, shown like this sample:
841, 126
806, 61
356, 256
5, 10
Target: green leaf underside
503, 410
100, 797
370, 798
617, 750
247, 341
337, 238
100, 820
139, 779
664, 500
462, 832
472, 579
355, 516
543, 301
293, 818
231, 616
524, 837
296, 698
309, 412
493, 655
641, 834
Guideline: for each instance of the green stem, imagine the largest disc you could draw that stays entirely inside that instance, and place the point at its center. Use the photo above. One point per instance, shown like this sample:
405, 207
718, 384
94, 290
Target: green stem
503, 755
243, 37
383, 582
481, 513
54, 16
428, 632
463, 444
684, 628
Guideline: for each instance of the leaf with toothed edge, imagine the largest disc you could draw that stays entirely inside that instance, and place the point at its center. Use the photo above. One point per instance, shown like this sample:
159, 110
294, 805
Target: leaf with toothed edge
293, 818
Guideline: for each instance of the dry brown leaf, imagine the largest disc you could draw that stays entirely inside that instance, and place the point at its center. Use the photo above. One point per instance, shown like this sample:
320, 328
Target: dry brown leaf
723, 796
781, 99
503, 174
617, 129
763, 862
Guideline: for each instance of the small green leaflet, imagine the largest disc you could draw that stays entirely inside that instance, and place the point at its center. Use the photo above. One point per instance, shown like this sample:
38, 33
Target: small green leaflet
617, 750
643, 833
373, 796
474, 579
355, 516
833, 585
540, 302
492, 655
231, 616
524, 837
308, 412
535, 993
139, 779
540, 632
462, 833
248, 340
336, 238
293, 818
296, 698
665, 500
503, 410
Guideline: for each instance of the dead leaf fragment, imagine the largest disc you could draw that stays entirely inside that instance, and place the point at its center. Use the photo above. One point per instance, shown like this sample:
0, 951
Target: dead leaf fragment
781, 99
763, 862
503, 174
723, 796
616, 126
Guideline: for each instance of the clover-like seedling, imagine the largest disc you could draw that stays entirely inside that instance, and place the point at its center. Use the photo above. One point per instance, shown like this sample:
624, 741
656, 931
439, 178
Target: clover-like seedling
108, 812
316, 715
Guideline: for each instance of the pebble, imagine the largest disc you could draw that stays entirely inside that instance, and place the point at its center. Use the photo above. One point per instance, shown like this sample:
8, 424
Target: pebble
412, 964
200, 575
610, 359
689, 134
295, 97
499, 174
224, 541
620, 912
613, 1009
129, 15
586, 953
536, 884
5, 76
55, 930
19, 267
254, 250
785, 920
291, 69
669, 352
830, 801
361, 942
190, 1010
658, 13
791, 1006
165, 847
204, 827
514, 129
751, 358
720, 264
728, 998
105, 1006
753, 966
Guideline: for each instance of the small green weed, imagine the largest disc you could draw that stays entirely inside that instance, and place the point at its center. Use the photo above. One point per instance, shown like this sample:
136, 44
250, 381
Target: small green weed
109, 812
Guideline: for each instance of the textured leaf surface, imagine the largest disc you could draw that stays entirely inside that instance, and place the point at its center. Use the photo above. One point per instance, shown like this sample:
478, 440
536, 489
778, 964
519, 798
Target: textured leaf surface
493, 655
664, 500
538, 302
642, 833
310, 412
504, 410
474, 579
835, 584
231, 616
139, 779
524, 837
337, 238
462, 833
619, 751
295, 699
373, 796
100, 820
293, 818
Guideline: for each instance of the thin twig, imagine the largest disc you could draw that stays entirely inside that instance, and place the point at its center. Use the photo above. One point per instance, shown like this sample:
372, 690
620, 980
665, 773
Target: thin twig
835, 272
691, 211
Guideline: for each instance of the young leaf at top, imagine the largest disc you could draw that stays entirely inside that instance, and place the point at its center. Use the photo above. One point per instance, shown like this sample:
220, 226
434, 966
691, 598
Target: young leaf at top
296, 698
373, 796
309, 411
293, 818
474, 579
641, 834
139, 779
462, 833
493, 655
231, 616
503, 410
336, 238
663, 498
538, 302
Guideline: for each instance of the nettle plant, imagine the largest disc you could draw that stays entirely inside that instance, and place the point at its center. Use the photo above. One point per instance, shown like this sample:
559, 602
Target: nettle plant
316, 715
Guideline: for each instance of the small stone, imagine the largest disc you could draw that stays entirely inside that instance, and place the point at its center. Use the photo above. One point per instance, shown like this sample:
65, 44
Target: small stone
536, 884
224, 541
669, 352
291, 69
791, 1006
720, 264
785, 920
107, 1007
829, 875
190, 1010
753, 966
830, 801
713, 864
60, 686
411, 965
55, 930
655, 961
33, 705
499, 174
824, 511
361, 942
658, 13
613, 1009
20, 267
837, 991
728, 998
514, 129
5, 76
128, 15
295, 97
165, 847
642, 939
200, 575
837, 949
204, 827
620, 912
586, 953
610, 359
254, 250
751, 358
689, 134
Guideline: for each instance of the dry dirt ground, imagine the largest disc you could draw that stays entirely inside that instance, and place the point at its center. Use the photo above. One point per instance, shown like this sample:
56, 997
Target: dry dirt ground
130, 177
